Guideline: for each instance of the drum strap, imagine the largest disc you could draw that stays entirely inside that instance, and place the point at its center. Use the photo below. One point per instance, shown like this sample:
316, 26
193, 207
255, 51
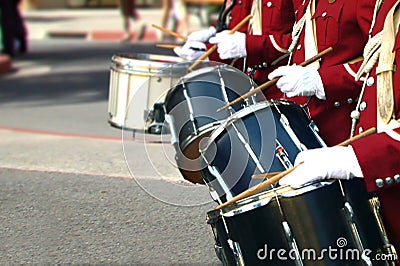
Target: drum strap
223, 18
372, 47
255, 25
370, 57
310, 39
385, 69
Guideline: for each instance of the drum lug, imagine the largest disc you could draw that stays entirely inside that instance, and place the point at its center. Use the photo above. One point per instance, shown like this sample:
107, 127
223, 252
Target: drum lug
315, 130
349, 214
387, 246
282, 155
348, 210
292, 242
286, 125
148, 115
170, 122
237, 252
220, 255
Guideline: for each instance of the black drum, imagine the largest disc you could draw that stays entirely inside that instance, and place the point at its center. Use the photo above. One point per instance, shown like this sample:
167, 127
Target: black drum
221, 246
264, 137
191, 110
313, 225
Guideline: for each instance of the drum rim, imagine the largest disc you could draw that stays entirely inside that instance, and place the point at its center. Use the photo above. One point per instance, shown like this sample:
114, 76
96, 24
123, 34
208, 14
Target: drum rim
168, 58
202, 130
263, 198
185, 144
150, 67
205, 70
188, 78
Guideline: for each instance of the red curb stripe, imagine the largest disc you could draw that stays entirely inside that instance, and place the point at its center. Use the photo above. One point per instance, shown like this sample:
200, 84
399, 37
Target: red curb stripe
5, 64
118, 35
60, 134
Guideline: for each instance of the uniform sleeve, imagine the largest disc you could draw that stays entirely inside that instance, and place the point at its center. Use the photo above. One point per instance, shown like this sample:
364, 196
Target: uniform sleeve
379, 158
266, 48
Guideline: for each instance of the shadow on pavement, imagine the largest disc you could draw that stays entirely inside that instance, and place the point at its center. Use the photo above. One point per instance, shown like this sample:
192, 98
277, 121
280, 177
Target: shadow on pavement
57, 75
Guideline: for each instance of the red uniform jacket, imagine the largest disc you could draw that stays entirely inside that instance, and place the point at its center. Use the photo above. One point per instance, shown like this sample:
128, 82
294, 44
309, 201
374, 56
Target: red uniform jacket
278, 18
379, 155
343, 25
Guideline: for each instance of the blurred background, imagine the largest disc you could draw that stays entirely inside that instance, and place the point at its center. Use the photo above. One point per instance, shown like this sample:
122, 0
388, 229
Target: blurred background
67, 193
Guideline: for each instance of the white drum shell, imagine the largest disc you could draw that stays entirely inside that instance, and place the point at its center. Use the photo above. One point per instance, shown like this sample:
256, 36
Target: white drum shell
137, 82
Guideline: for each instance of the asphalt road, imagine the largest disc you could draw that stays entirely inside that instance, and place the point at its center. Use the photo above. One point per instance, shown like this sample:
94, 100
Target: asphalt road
75, 190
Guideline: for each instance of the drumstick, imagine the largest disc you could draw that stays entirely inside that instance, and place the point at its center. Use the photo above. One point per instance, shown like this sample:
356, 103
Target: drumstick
266, 175
215, 46
272, 82
251, 191
364, 134
170, 32
168, 46
272, 180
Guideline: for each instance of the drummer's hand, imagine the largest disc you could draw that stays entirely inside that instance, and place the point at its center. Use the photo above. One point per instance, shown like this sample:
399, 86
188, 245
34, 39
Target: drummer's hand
230, 45
189, 50
298, 81
202, 35
323, 163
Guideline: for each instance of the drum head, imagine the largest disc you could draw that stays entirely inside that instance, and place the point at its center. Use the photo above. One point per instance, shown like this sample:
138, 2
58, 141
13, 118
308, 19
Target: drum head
240, 148
147, 64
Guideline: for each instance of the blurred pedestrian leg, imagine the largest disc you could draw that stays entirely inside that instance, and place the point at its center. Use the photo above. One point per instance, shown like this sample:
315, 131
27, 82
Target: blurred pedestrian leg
174, 17
14, 33
129, 12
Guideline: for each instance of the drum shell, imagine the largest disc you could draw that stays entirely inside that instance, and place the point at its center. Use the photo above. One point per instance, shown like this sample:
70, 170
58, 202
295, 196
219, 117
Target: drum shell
137, 82
316, 219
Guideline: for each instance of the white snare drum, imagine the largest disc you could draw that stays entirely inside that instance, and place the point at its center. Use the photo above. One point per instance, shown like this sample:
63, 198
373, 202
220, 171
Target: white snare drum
137, 82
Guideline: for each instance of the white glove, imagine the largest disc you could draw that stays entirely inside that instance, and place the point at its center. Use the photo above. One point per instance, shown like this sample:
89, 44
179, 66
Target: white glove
323, 163
230, 45
299, 81
202, 35
189, 50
